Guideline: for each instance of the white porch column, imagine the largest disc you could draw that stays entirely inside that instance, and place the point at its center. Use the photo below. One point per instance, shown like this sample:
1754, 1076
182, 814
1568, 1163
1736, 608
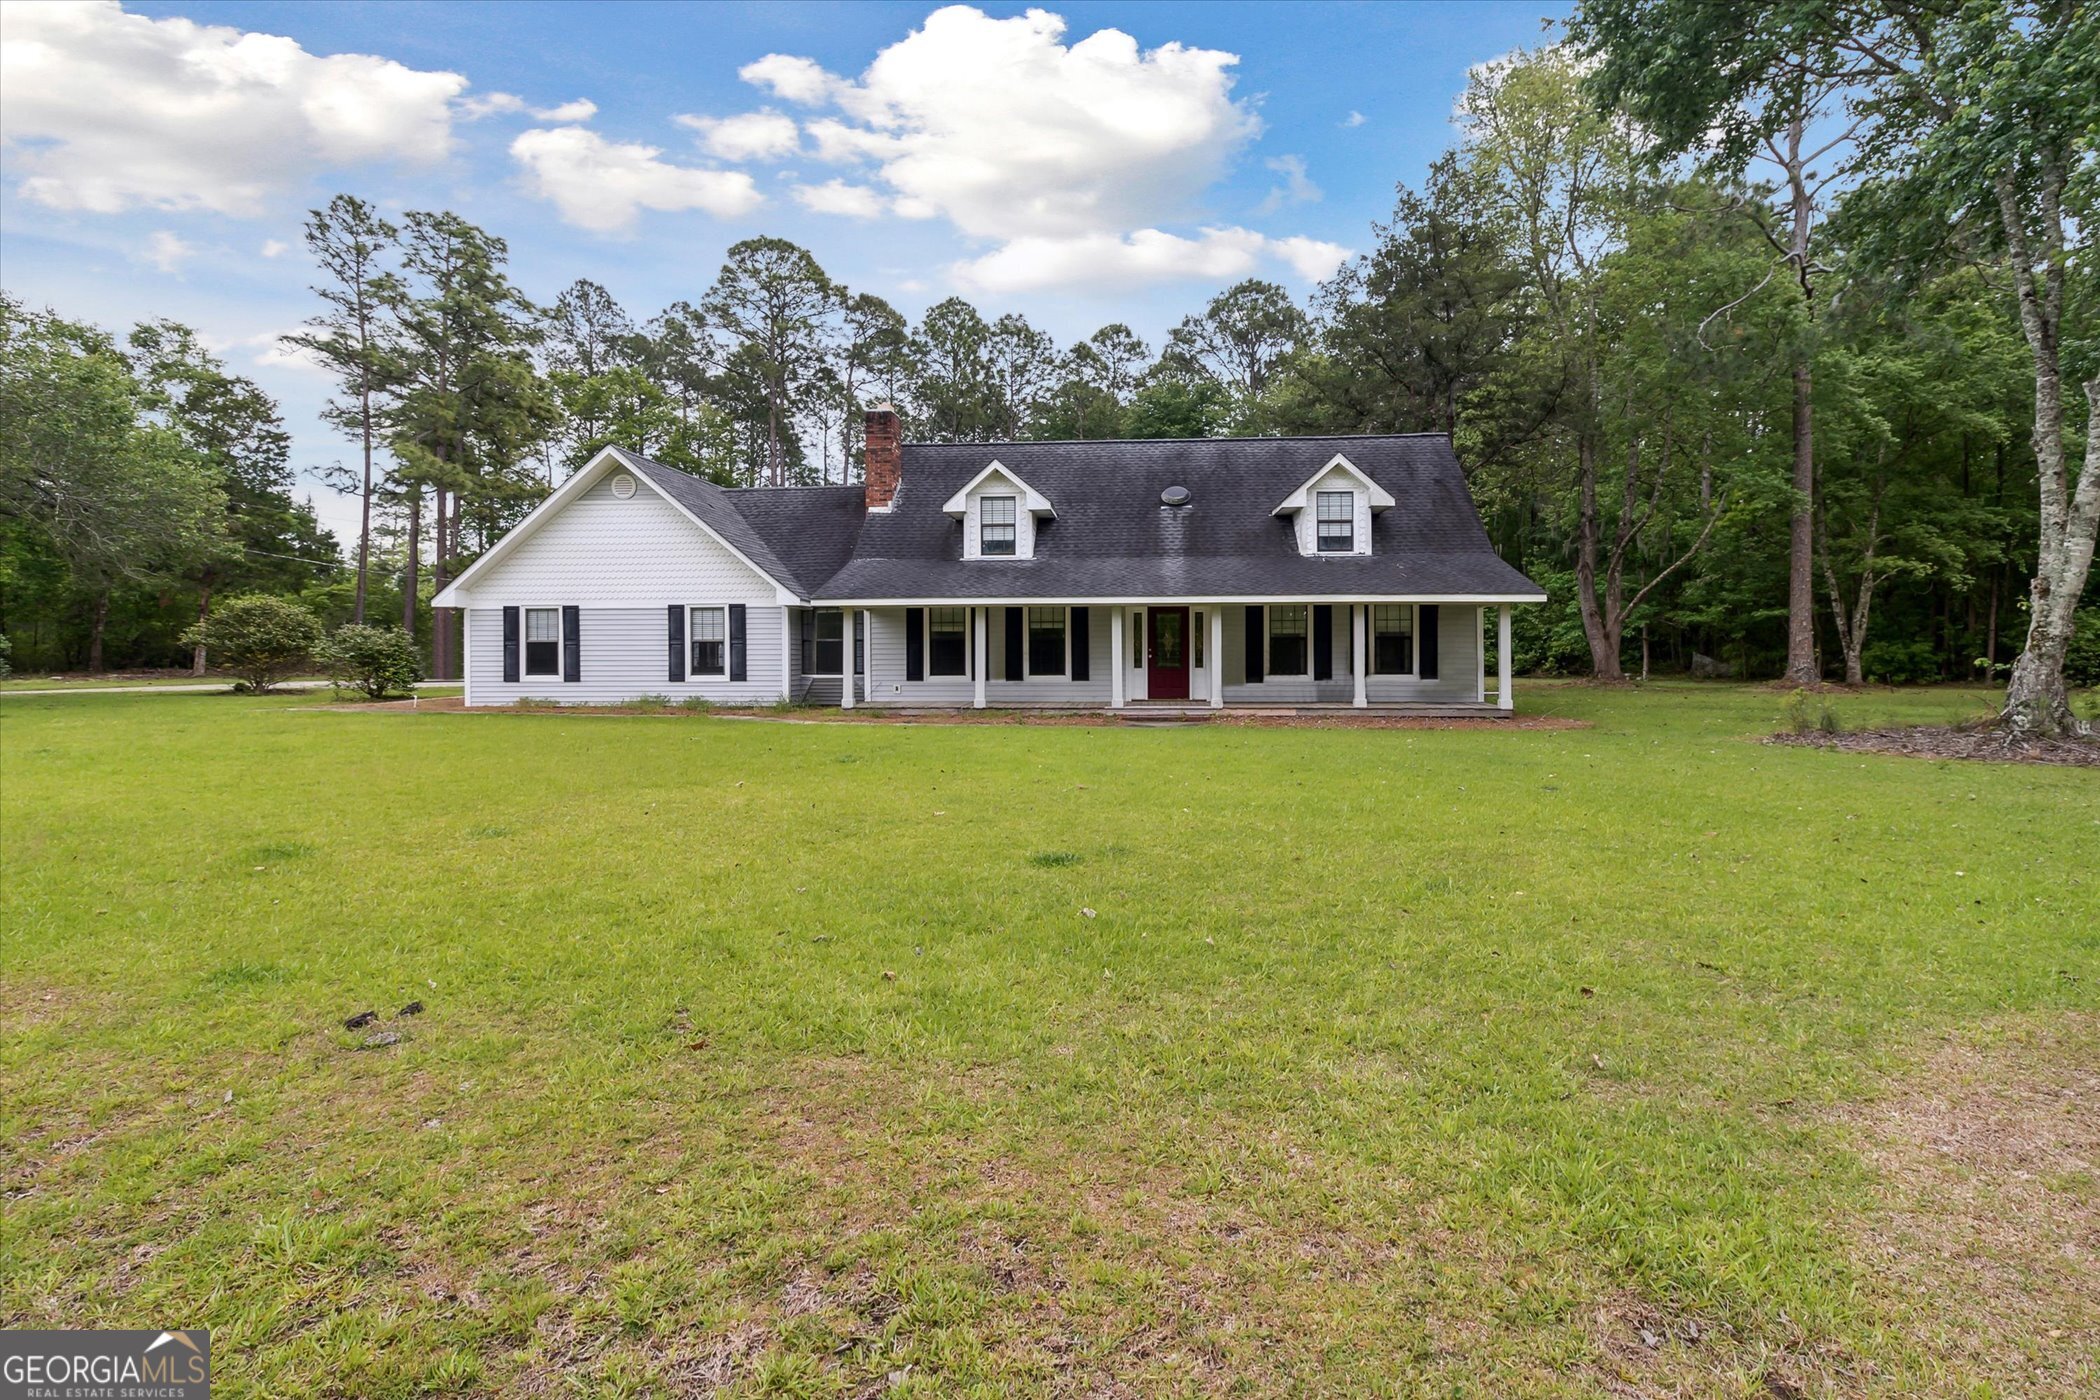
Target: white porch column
1358, 654
1116, 689
787, 639
867, 653
846, 665
980, 661
1217, 656
1503, 696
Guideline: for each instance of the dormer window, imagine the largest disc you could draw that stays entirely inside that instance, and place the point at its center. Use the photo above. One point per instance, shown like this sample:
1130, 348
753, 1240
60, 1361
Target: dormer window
996, 515
1337, 522
1000, 514
1331, 513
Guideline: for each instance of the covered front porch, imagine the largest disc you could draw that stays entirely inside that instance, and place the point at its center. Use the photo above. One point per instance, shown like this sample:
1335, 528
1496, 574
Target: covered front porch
1397, 656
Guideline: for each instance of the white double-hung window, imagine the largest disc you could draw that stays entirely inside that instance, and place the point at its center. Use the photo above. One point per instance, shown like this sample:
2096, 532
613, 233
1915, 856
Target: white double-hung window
543, 641
707, 631
996, 516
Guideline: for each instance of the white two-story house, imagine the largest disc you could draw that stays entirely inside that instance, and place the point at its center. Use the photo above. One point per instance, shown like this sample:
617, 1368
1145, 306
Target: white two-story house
1301, 572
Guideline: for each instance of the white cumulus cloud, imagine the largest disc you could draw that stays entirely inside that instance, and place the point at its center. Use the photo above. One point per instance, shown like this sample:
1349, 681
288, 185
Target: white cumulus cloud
1354, 119
1011, 133
838, 197
785, 76
1297, 186
1311, 258
1106, 261
275, 247
604, 185
748, 136
102, 110
166, 252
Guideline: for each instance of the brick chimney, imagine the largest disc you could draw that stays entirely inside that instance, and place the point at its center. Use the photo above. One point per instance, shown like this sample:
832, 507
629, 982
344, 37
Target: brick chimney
883, 465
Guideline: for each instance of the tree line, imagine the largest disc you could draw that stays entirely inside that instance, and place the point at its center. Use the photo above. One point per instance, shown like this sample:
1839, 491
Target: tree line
1752, 324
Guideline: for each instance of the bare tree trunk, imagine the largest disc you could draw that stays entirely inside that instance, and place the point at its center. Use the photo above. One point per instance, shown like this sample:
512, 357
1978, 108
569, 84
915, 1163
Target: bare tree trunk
101, 621
2037, 701
440, 618
1801, 666
408, 575
1598, 628
197, 658
364, 518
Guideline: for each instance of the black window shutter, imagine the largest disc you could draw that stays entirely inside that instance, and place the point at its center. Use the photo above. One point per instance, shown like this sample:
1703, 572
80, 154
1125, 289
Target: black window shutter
915, 644
1425, 640
1323, 641
510, 645
677, 615
736, 642
1013, 644
806, 631
1082, 645
571, 643
1254, 643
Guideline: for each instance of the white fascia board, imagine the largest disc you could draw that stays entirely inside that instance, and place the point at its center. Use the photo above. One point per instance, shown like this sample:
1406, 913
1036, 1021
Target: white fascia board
1034, 501
1381, 499
1176, 600
458, 595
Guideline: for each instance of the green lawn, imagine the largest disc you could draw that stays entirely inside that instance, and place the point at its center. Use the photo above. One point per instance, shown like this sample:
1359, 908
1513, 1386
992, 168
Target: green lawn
809, 1058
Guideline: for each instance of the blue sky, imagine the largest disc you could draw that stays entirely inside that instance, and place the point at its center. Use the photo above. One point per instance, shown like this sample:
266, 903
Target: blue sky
160, 157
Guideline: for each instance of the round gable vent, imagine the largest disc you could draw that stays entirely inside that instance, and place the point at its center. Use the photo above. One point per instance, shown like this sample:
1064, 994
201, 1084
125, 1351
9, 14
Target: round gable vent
623, 486
1175, 496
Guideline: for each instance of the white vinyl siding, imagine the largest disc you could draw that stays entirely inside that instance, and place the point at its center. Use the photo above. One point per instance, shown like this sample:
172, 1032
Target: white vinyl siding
623, 564
1458, 655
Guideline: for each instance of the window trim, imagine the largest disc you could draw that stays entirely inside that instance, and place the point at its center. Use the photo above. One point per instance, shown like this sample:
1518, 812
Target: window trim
969, 640
816, 641
1347, 543
1414, 650
691, 673
1028, 671
1013, 539
525, 671
1268, 641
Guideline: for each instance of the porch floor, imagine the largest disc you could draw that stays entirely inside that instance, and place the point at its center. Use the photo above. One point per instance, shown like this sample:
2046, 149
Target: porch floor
1142, 710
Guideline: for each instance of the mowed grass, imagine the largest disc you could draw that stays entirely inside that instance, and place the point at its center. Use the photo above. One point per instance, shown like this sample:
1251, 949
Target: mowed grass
809, 1059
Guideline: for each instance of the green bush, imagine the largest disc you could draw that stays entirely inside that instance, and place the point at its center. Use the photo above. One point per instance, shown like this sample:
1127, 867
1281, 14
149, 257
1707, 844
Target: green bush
2082, 657
1805, 716
6, 650
259, 638
376, 660
1900, 663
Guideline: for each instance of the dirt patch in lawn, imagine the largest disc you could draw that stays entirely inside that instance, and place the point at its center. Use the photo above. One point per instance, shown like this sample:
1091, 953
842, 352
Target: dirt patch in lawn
1987, 1234
1957, 741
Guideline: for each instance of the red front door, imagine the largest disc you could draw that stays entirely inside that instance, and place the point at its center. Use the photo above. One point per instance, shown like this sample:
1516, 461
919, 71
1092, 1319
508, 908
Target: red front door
1167, 650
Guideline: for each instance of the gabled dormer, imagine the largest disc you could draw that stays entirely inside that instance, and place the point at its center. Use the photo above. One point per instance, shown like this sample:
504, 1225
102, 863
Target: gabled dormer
1331, 512
999, 512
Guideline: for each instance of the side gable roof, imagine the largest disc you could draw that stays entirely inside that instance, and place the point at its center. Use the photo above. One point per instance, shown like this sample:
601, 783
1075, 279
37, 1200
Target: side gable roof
1113, 537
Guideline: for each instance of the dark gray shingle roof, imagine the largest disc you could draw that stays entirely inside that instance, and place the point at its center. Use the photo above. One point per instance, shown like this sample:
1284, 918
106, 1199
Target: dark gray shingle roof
1112, 536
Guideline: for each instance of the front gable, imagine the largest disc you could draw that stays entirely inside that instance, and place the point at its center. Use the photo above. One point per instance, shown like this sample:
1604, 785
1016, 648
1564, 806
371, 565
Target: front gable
1023, 506
610, 537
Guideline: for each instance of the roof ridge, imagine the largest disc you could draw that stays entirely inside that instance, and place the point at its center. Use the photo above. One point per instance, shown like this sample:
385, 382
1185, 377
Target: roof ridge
1231, 437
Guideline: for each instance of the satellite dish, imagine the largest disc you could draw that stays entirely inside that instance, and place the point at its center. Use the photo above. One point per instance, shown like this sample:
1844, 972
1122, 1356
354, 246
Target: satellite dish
1175, 496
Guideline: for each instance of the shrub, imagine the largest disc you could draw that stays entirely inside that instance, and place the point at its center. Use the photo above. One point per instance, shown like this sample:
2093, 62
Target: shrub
1900, 663
6, 650
376, 660
1805, 716
260, 639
